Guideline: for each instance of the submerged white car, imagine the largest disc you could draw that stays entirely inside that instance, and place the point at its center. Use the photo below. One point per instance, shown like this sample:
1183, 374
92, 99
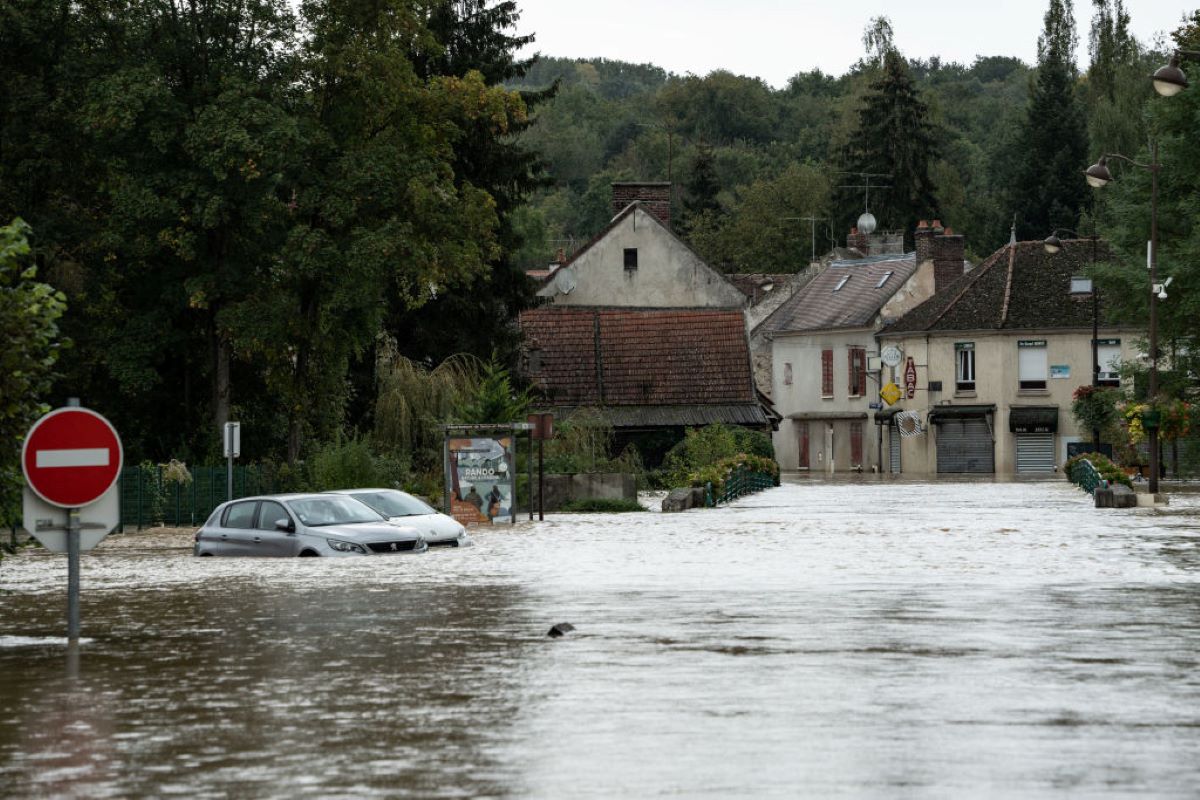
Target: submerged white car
438, 529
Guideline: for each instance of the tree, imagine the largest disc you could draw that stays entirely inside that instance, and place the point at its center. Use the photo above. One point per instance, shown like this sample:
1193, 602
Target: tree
1048, 190
700, 192
1116, 82
894, 138
29, 315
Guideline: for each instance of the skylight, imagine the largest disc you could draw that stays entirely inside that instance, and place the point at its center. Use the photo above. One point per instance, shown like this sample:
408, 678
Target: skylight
841, 283
884, 279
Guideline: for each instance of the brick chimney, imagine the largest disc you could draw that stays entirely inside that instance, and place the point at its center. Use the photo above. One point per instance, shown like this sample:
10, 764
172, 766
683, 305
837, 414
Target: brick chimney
924, 242
949, 249
654, 197
858, 241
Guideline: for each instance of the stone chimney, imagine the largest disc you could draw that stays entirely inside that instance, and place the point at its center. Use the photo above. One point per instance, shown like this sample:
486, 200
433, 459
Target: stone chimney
857, 240
949, 250
924, 242
654, 197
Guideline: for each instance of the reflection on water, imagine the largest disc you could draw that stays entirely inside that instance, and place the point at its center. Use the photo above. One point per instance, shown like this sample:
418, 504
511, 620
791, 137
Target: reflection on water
870, 639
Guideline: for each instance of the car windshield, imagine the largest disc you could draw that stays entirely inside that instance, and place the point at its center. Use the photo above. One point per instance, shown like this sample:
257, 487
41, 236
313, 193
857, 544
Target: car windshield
318, 511
394, 504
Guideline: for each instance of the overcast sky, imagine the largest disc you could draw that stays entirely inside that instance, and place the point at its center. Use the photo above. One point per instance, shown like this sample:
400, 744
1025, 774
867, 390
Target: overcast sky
774, 40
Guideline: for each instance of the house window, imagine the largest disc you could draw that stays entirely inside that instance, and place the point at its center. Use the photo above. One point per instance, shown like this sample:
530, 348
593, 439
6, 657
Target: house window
631, 259
964, 366
826, 373
841, 283
856, 444
858, 371
1108, 355
787, 374
1031, 364
884, 279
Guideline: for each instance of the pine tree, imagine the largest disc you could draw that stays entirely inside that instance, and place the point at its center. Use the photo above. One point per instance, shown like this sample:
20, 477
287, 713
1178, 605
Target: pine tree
1049, 188
895, 138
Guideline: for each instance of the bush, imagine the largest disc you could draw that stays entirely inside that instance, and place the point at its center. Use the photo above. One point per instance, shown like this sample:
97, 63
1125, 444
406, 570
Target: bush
718, 473
1107, 469
704, 447
350, 464
602, 505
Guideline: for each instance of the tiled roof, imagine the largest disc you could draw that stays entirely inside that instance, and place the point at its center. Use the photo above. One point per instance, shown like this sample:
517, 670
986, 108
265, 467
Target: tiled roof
822, 305
1019, 287
638, 357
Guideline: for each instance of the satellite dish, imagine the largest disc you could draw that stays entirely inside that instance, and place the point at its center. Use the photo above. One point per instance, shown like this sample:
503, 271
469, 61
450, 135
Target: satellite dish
564, 280
866, 223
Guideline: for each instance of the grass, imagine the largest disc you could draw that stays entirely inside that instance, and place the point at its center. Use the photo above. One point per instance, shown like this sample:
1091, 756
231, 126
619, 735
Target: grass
602, 505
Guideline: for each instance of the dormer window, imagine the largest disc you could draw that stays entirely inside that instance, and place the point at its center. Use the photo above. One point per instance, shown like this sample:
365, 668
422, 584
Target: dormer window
884, 279
841, 283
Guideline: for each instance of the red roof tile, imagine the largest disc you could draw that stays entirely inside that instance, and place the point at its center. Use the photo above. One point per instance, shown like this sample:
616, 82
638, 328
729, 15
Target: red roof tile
628, 357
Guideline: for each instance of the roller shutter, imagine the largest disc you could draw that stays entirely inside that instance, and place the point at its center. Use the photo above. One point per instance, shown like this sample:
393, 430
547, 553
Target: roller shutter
1035, 452
964, 445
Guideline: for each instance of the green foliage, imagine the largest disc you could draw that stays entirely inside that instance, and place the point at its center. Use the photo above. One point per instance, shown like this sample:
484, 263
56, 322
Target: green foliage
1048, 188
413, 403
581, 443
495, 399
29, 315
1106, 469
349, 463
702, 448
718, 472
1096, 409
598, 505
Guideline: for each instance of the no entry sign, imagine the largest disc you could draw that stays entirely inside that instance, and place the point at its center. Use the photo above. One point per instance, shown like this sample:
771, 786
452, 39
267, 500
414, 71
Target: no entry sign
71, 457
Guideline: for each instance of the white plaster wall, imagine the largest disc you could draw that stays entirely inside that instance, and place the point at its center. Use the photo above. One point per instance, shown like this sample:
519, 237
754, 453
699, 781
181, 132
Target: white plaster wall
669, 275
803, 352
996, 382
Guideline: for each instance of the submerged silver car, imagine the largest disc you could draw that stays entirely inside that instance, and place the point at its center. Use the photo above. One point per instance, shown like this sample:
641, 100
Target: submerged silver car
404, 509
302, 525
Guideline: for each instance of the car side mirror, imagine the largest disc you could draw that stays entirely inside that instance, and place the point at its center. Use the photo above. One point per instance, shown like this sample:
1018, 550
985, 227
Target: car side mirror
285, 525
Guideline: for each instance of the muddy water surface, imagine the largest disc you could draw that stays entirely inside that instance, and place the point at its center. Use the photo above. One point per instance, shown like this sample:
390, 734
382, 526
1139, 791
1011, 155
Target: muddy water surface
870, 639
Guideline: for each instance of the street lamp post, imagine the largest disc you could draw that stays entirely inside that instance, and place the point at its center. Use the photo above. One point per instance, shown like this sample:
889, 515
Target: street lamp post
1098, 175
1168, 81
1053, 244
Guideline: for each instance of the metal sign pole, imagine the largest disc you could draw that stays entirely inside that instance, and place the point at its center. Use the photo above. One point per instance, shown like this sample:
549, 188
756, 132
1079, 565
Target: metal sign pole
541, 483
73, 528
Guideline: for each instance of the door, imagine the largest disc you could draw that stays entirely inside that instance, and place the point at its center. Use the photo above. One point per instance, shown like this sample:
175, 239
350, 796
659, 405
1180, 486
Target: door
267, 540
829, 448
1035, 452
233, 536
894, 448
804, 463
964, 446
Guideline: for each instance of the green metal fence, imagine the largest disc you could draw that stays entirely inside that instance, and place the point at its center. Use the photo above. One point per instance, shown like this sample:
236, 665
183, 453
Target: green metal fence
148, 498
1085, 476
741, 482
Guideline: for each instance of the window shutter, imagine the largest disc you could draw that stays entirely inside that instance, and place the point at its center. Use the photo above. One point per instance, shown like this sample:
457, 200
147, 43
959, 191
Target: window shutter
827, 373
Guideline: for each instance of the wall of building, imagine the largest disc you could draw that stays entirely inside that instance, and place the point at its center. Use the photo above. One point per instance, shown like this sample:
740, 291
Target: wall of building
668, 274
996, 382
803, 395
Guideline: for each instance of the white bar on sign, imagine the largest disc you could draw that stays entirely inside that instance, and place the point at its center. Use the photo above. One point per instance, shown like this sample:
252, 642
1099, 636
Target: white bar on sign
85, 457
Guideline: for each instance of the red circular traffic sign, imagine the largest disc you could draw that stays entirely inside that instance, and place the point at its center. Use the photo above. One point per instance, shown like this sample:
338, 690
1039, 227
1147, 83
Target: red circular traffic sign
71, 457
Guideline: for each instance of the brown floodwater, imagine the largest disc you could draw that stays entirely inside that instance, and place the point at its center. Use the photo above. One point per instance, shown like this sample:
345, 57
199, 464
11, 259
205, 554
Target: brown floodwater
866, 639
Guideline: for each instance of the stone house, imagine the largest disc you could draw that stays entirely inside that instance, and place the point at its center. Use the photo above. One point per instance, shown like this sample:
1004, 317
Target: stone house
996, 358
824, 357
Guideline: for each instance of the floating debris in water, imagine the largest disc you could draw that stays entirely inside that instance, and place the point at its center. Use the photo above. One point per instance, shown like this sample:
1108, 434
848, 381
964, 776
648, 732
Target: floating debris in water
561, 629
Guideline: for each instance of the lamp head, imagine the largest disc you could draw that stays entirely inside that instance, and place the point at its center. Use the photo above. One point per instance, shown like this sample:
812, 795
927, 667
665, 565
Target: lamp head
1052, 243
1097, 174
1169, 80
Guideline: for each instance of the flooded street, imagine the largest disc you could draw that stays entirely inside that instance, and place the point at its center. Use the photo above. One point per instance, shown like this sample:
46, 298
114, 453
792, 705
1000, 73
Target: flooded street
871, 640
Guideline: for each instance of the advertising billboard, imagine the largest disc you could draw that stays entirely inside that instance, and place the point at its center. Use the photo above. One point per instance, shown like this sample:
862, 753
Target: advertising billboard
480, 479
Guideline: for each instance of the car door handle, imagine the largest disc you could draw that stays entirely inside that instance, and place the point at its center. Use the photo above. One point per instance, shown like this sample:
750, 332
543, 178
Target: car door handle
224, 537
258, 538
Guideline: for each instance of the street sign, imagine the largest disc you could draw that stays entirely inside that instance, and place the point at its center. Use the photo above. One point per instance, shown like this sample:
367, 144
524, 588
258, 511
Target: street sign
875, 406
48, 524
910, 379
890, 393
233, 440
891, 355
71, 457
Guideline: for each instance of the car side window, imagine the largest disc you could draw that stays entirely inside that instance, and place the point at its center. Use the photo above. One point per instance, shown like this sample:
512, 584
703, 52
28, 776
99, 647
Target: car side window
268, 514
241, 515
